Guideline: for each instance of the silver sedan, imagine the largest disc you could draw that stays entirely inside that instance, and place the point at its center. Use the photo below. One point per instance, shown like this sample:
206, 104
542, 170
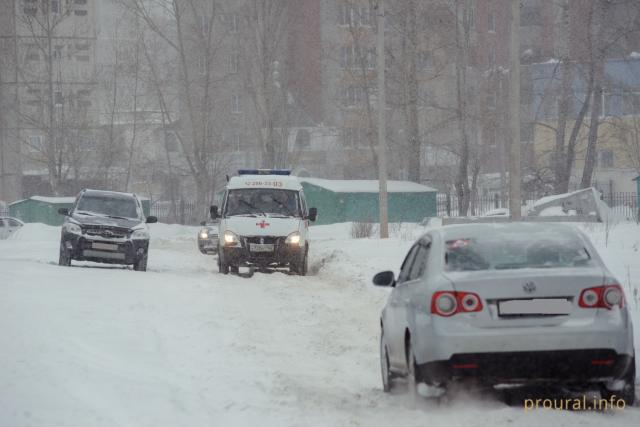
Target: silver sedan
513, 304
8, 226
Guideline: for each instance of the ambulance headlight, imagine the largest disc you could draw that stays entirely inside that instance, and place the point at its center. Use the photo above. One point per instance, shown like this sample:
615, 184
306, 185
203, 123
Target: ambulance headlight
293, 238
231, 239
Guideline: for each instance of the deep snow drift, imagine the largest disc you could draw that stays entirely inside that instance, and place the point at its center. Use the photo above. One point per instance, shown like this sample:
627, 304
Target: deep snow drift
181, 345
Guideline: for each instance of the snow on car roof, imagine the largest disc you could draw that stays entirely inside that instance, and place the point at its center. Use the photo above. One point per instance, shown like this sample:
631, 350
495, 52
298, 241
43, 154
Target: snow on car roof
283, 182
367, 186
530, 229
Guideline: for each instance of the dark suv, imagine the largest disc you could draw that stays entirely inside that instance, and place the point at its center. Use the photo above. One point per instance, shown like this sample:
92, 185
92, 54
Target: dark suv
105, 226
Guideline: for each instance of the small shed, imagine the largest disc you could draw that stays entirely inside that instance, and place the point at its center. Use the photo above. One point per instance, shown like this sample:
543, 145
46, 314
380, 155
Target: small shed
41, 209
357, 200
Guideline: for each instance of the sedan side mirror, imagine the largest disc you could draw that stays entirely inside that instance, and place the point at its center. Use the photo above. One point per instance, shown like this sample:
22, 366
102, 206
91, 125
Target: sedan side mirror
313, 214
152, 219
63, 211
385, 278
213, 211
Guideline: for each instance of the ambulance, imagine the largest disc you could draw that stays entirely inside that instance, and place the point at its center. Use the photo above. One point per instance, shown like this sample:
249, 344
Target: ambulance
264, 222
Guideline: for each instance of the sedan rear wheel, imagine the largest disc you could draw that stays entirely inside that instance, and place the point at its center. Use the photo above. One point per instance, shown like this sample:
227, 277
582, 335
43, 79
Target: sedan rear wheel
412, 374
628, 392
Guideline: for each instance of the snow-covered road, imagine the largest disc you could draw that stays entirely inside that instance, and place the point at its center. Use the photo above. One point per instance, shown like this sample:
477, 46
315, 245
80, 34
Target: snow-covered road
182, 345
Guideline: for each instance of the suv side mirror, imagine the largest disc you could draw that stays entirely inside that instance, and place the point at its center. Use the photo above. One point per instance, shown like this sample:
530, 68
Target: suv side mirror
151, 219
213, 211
313, 214
63, 211
203, 223
385, 278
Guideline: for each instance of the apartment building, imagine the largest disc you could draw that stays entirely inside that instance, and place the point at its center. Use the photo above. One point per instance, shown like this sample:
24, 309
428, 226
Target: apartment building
48, 87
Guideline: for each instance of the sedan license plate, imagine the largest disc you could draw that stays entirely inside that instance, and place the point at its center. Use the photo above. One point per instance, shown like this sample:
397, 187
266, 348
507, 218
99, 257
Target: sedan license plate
540, 306
255, 247
104, 246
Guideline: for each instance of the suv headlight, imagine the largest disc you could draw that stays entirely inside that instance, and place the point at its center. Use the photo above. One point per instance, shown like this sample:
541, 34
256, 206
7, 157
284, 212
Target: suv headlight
293, 238
140, 235
72, 228
231, 239
204, 234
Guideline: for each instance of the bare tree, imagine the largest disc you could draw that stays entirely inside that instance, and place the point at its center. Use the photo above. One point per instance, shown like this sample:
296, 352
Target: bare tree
186, 29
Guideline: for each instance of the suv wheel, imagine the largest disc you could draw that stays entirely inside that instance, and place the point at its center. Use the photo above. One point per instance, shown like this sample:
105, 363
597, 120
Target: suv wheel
141, 263
64, 259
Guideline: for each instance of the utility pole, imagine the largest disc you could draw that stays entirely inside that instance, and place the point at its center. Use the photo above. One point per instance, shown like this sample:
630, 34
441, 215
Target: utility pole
514, 107
382, 131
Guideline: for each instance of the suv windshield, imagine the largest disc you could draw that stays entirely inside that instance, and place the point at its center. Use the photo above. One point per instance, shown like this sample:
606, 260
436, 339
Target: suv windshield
257, 201
515, 251
124, 207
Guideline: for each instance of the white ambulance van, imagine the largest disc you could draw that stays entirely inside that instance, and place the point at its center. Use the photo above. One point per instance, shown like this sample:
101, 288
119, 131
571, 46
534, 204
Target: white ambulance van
264, 222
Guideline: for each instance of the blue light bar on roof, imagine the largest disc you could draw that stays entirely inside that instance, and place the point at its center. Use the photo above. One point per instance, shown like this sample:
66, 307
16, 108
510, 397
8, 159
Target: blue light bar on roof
264, 172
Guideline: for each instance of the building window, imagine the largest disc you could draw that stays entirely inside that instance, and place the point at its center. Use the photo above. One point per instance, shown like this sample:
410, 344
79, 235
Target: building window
471, 18
235, 104
36, 142
57, 52
631, 102
346, 57
55, 6
424, 60
202, 65
171, 141
530, 15
234, 63
30, 7
365, 17
58, 99
605, 159
491, 101
204, 25
491, 22
492, 56
352, 96
303, 139
236, 141
33, 53
232, 22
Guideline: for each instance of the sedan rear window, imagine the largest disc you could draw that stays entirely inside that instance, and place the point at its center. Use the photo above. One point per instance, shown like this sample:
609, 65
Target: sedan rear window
513, 252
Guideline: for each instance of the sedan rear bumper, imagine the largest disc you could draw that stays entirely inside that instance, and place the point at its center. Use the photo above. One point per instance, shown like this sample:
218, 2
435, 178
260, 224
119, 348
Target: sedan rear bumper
569, 367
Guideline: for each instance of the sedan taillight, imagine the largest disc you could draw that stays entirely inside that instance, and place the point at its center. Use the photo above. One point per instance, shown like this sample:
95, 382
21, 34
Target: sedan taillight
448, 303
605, 296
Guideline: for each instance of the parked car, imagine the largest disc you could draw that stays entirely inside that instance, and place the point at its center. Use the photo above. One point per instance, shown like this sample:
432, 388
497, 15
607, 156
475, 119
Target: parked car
8, 226
208, 238
107, 227
507, 304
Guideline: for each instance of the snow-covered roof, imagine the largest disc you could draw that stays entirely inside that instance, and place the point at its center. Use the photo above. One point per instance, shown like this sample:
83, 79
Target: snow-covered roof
367, 186
53, 199
548, 199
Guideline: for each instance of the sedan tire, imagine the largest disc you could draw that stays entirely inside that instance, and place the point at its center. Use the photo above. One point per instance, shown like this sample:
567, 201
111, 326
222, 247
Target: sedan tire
385, 370
628, 393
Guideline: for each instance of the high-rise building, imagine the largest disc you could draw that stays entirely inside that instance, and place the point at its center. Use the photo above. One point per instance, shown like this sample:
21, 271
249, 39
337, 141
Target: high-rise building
48, 69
